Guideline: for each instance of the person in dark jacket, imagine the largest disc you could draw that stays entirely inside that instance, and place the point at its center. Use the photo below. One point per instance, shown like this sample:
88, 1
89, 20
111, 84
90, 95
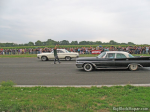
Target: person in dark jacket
55, 55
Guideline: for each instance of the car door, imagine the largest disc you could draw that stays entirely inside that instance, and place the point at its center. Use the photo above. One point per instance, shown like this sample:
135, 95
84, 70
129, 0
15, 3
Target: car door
121, 60
107, 62
51, 55
61, 53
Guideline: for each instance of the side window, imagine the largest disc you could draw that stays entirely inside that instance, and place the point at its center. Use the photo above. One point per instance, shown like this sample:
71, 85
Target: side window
60, 51
110, 55
120, 55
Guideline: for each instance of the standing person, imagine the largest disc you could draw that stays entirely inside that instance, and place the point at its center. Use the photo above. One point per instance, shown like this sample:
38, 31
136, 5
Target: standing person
25, 50
3, 51
10, 51
18, 51
149, 50
55, 55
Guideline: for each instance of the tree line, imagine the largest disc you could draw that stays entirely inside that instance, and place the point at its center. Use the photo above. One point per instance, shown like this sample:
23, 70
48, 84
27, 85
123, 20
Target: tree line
64, 42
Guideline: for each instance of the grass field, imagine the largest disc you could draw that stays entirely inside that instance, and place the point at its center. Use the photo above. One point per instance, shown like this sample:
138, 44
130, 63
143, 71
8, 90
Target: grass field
35, 55
70, 99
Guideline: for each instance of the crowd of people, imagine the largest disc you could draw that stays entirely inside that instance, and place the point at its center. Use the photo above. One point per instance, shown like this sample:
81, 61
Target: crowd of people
82, 50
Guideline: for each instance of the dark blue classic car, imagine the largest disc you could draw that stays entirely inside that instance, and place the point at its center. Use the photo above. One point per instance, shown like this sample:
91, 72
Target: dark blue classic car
113, 60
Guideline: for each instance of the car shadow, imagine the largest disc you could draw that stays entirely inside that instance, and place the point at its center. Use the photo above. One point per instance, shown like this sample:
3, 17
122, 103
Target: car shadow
124, 70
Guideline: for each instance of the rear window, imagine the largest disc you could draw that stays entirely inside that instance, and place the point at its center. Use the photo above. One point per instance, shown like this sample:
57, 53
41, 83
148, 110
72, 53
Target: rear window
60, 51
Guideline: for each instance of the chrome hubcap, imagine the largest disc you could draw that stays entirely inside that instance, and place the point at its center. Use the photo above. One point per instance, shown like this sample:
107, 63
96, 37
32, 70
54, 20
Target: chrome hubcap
133, 67
87, 66
43, 58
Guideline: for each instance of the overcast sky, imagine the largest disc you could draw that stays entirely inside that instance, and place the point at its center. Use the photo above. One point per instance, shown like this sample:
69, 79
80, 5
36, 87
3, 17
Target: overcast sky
22, 21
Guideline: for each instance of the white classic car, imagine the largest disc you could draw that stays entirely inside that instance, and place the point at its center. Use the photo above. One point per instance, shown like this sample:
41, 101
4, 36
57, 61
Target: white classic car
62, 54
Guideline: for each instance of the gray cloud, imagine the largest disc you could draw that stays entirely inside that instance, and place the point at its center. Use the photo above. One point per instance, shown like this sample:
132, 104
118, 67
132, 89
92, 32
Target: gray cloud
22, 21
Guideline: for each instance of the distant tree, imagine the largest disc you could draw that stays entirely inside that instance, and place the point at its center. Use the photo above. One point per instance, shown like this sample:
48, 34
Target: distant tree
123, 43
74, 43
15, 44
90, 42
112, 42
30, 44
44, 43
21, 45
98, 42
2, 45
131, 43
105, 43
51, 42
8, 44
64, 42
38, 43
83, 43
25, 44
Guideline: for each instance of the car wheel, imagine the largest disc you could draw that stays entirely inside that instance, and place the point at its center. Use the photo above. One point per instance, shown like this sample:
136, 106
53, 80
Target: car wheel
68, 58
88, 67
44, 58
133, 67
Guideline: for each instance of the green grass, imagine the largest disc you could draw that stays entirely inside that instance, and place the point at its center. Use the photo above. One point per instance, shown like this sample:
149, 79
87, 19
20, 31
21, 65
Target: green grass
35, 55
71, 99
7, 83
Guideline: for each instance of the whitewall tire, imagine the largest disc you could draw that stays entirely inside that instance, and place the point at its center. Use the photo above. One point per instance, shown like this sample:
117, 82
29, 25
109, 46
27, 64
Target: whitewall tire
67, 58
44, 58
133, 67
88, 67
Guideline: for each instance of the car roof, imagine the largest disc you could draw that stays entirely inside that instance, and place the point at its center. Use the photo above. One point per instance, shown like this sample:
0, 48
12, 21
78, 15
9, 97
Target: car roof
117, 52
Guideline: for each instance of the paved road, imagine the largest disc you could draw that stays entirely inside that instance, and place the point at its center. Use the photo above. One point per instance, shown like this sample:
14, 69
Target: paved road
31, 71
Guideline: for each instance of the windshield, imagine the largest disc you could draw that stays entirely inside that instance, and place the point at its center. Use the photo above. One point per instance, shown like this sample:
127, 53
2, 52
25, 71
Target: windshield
130, 56
101, 55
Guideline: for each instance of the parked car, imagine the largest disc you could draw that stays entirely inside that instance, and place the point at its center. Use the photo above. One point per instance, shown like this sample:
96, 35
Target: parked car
113, 60
62, 54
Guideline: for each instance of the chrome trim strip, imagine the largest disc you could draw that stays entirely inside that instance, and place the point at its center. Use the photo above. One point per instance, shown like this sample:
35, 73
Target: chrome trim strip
94, 65
90, 61
140, 65
113, 68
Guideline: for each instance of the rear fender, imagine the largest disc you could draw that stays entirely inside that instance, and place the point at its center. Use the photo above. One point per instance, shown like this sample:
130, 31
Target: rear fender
43, 56
139, 65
